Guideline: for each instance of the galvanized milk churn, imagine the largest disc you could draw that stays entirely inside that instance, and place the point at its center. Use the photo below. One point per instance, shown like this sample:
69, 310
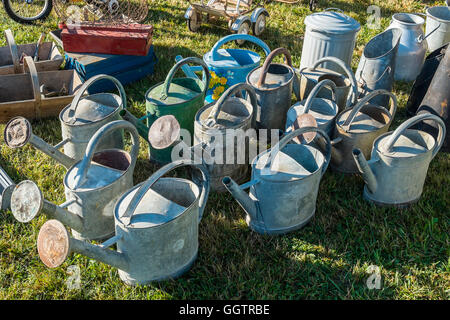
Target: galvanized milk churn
329, 34
376, 68
346, 87
231, 66
413, 45
284, 186
92, 187
156, 230
274, 84
85, 115
438, 17
396, 172
216, 120
323, 110
358, 128
180, 97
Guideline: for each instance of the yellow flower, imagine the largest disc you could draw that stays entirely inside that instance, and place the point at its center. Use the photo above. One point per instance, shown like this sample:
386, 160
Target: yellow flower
213, 75
215, 96
220, 89
223, 81
211, 84
216, 91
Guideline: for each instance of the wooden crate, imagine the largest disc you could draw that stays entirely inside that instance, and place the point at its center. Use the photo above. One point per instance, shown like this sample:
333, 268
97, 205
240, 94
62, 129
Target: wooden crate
20, 93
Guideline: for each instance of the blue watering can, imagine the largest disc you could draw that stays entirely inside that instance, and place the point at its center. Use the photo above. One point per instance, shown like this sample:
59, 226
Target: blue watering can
228, 66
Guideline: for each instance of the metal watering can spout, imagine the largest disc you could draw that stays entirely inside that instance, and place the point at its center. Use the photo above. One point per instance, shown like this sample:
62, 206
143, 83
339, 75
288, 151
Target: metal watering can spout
140, 126
366, 171
18, 133
54, 245
241, 196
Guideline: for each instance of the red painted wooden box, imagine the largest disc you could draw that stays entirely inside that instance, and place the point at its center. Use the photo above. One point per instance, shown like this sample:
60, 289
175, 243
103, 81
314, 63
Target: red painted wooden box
130, 39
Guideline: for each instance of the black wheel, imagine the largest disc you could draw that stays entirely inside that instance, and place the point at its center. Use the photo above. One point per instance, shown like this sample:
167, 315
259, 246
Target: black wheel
260, 25
312, 5
194, 22
28, 11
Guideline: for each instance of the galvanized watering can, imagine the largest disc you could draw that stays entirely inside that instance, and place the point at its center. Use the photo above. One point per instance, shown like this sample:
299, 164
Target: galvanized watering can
323, 110
376, 68
216, 119
274, 84
413, 45
395, 174
180, 97
346, 86
156, 230
92, 187
358, 128
231, 66
438, 17
284, 186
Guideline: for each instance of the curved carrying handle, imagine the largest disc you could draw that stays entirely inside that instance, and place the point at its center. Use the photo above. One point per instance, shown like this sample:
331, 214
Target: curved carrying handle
266, 65
95, 140
287, 138
412, 121
315, 91
421, 38
87, 84
13, 50
178, 65
140, 193
233, 90
367, 98
239, 36
28, 63
353, 95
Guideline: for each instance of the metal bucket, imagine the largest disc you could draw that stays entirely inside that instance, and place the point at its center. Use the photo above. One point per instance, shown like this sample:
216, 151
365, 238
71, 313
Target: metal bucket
156, 230
212, 125
284, 186
358, 128
438, 17
92, 187
396, 172
329, 34
376, 68
346, 87
273, 84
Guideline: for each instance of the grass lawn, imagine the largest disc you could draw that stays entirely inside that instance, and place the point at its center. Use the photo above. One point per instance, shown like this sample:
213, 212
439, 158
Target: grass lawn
328, 259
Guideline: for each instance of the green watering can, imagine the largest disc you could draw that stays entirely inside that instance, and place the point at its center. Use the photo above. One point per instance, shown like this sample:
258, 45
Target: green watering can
180, 97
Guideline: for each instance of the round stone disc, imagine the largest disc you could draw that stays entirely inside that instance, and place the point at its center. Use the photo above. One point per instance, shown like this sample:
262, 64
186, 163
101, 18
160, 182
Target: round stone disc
302, 121
17, 132
53, 243
26, 201
164, 132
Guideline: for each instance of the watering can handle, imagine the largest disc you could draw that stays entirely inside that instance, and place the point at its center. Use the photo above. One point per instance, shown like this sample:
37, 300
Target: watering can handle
333, 9
178, 65
13, 50
266, 65
240, 36
287, 138
412, 121
422, 38
28, 63
215, 110
352, 98
316, 90
87, 84
129, 211
367, 98
95, 140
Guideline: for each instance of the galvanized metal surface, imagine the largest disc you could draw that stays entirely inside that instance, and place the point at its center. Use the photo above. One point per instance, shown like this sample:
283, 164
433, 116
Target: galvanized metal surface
329, 34
438, 17
358, 128
156, 230
396, 172
284, 185
376, 68
323, 110
214, 119
346, 86
273, 84
6, 187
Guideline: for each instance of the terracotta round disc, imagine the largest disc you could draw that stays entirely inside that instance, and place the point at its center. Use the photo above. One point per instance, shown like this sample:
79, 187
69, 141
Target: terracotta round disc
53, 243
17, 132
164, 132
302, 121
26, 201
